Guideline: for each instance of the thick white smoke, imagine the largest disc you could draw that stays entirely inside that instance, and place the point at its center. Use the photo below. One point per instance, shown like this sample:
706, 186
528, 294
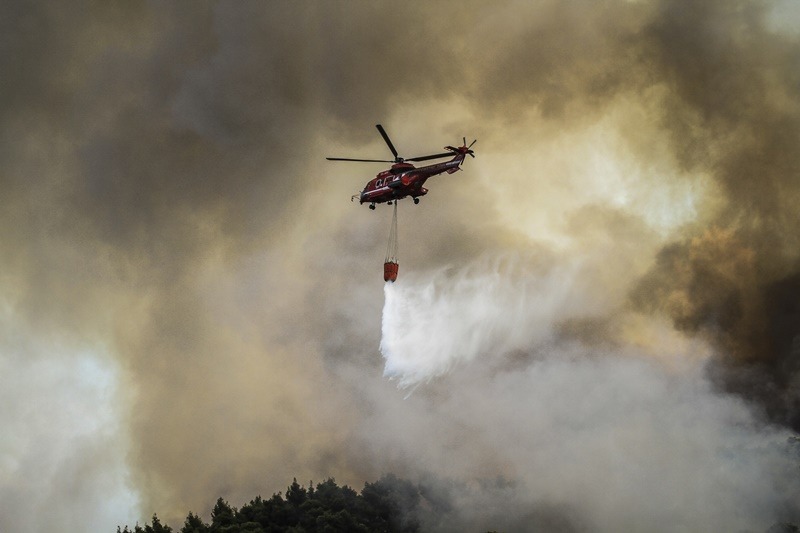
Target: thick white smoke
588, 438
62, 450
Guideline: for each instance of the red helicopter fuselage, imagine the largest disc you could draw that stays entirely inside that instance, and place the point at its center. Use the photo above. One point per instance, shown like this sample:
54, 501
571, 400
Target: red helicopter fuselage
403, 180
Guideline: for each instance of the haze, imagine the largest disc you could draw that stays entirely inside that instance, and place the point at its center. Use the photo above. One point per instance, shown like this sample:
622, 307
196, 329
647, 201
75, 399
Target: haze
596, 325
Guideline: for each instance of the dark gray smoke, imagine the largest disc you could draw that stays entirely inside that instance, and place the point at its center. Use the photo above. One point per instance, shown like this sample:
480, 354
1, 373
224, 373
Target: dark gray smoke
178, 260
733, 113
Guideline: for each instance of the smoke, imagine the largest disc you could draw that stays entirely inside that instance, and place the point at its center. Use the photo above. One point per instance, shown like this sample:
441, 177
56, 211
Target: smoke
580, 436
177, 258
733, 281
60, 423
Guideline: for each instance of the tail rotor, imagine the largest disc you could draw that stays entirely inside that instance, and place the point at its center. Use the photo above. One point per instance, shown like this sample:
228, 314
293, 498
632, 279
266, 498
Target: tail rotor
463, 149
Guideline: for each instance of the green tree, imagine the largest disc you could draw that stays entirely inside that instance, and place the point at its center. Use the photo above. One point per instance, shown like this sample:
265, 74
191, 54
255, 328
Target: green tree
157, 527
391, 505
342, 521
194, 524
296, 494
222, 515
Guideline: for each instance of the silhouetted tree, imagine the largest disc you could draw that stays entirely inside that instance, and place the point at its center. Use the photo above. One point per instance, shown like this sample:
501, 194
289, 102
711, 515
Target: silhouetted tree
193, 524
296, 494
390, 504
222, 515
157, 527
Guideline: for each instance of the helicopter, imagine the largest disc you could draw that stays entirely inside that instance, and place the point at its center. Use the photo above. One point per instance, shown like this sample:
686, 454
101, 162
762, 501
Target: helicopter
403, 179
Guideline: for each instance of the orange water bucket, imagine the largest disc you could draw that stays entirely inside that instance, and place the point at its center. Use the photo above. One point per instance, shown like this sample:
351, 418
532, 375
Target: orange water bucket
390, 271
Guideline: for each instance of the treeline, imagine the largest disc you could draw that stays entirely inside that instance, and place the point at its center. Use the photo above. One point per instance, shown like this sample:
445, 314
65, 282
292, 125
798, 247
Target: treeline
389, 505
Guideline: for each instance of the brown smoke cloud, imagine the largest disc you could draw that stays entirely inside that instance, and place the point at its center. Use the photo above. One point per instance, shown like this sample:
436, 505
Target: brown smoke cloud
166, 208
733, 113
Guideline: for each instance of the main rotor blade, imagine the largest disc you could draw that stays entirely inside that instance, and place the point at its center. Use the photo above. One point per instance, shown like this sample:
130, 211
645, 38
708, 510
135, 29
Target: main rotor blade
386, 138
435, 156
362, 160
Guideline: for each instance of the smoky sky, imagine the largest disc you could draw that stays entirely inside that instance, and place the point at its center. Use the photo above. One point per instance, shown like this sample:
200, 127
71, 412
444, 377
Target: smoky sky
178, 259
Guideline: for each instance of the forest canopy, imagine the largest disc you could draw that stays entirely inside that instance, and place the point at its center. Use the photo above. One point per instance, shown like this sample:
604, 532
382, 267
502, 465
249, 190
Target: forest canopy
390, 504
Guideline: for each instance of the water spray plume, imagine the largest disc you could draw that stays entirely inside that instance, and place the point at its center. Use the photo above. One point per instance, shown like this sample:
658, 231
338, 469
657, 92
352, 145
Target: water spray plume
488, 308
